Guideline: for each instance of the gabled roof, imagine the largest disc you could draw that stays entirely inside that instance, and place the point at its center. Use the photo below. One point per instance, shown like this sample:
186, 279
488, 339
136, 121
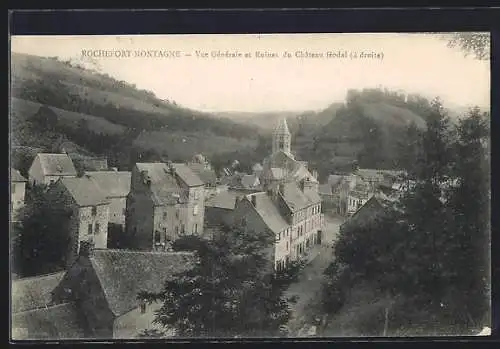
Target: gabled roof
56, 164
164, 186
84, 191
113, 183
268, 211
123, 274
282, 127
15, 176
224, 199
294, 197
33, 292
187, 175
57, 322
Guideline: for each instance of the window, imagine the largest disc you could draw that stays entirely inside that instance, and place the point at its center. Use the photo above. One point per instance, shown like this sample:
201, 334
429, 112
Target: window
90, 229
183, 229
96, 228
142, 306
157, 237
164, 215
287, 245
177, 213
278, 236
196, 194
196, 228
177, 230
94, 210
195, 210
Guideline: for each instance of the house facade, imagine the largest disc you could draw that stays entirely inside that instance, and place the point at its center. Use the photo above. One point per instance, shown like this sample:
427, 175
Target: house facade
289, 212
104, 284
116, 186
88, 211
165, 201
48, 168
17, 192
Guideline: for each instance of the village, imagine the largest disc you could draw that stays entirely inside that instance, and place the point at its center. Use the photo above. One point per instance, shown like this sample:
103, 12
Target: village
147, 209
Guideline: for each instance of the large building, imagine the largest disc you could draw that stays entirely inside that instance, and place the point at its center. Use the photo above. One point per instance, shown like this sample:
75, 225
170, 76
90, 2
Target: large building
165, 201
48, 168
87, 209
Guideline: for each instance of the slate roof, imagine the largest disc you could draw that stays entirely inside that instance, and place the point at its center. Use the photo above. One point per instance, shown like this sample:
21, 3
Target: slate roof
282, 127
187, 175
57, 322
15, 176
224, 199
113, 183
123, 274
33, 292
270, 214
164, 186
56, 164
84, 191
294, 197
207, 176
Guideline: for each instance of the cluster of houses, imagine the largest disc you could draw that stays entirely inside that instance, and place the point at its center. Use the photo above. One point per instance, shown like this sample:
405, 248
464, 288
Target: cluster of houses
152, 205
144, 210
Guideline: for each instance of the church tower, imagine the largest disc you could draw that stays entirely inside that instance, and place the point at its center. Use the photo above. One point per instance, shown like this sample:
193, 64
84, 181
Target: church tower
282, 138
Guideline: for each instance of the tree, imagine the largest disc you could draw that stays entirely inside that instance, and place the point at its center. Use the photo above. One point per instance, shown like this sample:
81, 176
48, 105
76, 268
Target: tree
228, 293
468, 259
41, 239
477, 44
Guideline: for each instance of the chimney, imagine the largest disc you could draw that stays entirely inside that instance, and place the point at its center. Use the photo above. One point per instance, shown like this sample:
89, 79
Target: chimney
254, 200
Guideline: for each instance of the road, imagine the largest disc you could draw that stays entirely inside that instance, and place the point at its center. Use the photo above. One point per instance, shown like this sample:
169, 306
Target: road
308, 286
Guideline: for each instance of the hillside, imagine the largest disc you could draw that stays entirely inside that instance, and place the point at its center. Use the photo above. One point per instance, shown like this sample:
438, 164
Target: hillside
105, 116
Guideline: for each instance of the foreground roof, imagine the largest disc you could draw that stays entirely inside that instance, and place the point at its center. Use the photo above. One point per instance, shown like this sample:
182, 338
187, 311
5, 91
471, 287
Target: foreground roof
164, 186
57, 322
123, 274
224, 199
33, 292
187, 175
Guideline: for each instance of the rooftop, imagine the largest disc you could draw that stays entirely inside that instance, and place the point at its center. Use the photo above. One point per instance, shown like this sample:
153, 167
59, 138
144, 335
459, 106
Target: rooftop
84, 191
123, 274
56, 164
15, 176
268, 211
112, 183
33, 292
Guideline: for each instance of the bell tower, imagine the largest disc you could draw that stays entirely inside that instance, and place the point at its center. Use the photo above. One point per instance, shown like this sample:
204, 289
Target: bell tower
282, 138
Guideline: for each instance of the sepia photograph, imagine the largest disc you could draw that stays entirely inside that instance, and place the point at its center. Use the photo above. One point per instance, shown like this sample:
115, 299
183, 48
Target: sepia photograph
239, 186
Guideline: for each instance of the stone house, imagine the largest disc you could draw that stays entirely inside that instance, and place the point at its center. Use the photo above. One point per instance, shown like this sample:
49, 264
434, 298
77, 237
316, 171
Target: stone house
48, 168
289, 211
202, 168
165, 202
116, 186
88, 211
104, 286
17, 192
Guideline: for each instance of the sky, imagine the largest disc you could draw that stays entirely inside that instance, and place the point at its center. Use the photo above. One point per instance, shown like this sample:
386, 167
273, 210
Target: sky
293, 81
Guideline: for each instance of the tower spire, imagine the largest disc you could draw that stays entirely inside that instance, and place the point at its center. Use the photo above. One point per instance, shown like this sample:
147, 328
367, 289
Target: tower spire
282, 137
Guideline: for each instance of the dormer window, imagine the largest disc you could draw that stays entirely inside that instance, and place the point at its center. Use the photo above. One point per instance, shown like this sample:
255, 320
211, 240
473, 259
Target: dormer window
142, 306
